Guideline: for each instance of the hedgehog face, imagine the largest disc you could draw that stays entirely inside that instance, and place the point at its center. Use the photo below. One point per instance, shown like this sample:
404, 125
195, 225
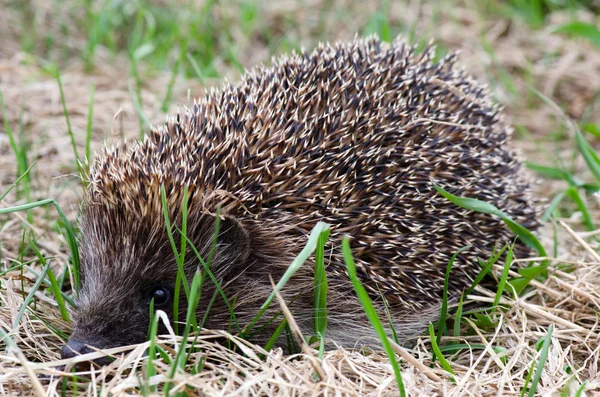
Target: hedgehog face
121, 276
109, 316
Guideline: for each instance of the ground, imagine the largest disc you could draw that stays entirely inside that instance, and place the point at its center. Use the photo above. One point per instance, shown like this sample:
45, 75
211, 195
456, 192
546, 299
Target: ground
123, 65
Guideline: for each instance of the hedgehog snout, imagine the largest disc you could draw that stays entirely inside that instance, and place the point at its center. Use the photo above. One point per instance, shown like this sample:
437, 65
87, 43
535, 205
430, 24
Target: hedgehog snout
75, 348
85, 340
100, 325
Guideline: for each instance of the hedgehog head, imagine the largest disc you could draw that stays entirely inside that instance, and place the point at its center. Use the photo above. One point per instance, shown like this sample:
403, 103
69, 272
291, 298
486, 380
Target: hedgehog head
128, 258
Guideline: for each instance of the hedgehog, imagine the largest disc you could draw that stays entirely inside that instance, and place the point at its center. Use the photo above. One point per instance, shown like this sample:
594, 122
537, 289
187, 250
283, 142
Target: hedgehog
355, 134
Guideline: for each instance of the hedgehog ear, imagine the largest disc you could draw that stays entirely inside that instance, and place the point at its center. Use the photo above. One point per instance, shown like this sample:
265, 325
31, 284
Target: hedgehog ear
234, 239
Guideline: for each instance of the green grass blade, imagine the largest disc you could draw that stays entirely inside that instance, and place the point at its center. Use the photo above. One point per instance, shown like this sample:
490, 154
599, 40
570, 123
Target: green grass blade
273, 339
485, 270
31, 294
206, 266
310, 247
580, 389
150, 367
553, 206
48, 283
88, 129
461, 346
9, 133
15, 183
194, 299
379, 24
69, 232
504, 277
215, 240
444, 309
184, 217
589, 155
574, 195
20, 153
201, 76
371, 313
320, 282
180, 277
548, 172
53, 283
139, 110
458, 316
542, 362
68, 120
438, 353
7, 340
167, 100
593, 129
580, 29
136, 94
389, 317
486, 208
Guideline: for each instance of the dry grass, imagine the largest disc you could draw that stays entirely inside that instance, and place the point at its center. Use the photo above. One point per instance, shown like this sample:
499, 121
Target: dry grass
566, 70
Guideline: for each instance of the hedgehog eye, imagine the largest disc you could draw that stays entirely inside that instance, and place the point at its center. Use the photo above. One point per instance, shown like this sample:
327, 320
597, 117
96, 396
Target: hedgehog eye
160, 295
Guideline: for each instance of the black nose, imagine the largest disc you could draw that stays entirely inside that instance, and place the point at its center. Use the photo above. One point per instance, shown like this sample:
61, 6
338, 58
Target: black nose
74, 348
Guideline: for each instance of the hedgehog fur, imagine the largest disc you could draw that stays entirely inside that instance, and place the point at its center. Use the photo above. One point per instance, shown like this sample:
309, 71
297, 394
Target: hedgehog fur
354, 134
